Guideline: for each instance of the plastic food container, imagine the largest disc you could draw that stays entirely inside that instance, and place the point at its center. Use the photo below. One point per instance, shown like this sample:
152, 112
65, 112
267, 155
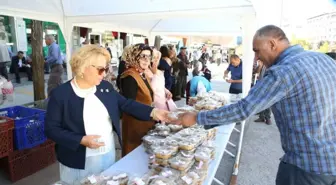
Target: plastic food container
180, 163
165, 151
204, 154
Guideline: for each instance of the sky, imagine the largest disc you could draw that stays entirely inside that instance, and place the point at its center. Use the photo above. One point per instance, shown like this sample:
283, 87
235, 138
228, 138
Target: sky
303, 9
293, 11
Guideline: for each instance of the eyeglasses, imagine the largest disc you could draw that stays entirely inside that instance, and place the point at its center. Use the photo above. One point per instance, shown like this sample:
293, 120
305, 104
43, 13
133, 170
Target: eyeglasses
144, 56
100, 69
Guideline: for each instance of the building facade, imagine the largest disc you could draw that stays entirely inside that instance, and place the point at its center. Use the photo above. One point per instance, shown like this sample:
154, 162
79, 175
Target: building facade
322, 28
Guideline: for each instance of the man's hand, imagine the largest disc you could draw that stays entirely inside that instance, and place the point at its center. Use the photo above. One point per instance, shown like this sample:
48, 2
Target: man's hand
229, 80
91, 141
160, 115
188, 119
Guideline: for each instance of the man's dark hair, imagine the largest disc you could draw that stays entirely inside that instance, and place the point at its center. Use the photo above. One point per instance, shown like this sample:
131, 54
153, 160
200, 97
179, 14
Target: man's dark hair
20, 52
332, 55
164, 51
272, 31
234, 56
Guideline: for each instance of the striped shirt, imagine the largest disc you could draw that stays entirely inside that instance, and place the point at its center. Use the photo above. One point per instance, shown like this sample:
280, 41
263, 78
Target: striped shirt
300, 88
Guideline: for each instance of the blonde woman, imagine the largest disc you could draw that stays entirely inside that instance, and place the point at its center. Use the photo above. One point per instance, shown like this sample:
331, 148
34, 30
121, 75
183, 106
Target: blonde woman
82, 114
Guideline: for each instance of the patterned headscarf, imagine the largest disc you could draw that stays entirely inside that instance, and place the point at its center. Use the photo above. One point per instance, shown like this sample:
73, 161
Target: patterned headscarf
126, 52
133, 56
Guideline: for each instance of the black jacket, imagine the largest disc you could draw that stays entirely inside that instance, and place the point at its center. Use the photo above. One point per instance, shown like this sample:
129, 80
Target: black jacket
15, 63
64, 122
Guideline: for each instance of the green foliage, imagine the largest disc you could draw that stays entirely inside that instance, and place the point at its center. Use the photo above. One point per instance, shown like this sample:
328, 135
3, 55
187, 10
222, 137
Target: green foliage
324, 48
305, 44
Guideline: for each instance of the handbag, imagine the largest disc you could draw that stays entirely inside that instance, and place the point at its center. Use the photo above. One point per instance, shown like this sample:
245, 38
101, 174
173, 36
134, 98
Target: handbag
171, 105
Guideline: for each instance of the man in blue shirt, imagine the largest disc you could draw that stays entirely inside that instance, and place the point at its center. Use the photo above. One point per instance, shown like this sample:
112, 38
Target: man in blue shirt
236, 69
54, 60
300, 87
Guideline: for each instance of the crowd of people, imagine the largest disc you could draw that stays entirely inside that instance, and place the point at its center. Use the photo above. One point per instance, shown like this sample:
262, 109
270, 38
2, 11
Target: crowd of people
147, 84
298, 86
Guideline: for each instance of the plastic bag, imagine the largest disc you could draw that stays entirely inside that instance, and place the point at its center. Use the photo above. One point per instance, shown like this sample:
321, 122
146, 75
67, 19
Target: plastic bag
8, 91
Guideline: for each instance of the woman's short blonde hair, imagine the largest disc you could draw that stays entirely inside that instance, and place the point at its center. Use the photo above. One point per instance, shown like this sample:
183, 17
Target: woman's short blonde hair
86, 56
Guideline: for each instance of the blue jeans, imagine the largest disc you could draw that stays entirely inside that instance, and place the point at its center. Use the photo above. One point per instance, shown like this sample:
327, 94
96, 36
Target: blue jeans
94, 165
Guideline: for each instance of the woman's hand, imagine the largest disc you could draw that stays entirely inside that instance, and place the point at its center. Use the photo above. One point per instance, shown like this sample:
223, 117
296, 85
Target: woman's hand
159, 115
229, 81
156, 58
91, 141
169, 95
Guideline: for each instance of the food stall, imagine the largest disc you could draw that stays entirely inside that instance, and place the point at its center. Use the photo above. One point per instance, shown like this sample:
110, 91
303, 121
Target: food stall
171, 154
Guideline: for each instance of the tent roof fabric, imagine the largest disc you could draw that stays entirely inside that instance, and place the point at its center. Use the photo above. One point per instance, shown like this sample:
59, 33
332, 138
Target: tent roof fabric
134, 16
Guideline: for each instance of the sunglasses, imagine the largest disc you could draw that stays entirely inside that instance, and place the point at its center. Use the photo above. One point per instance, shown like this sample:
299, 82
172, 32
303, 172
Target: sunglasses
144, 56
101, 70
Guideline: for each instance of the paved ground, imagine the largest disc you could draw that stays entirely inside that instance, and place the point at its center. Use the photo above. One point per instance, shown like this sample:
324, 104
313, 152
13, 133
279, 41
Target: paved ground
261, 147
260, 155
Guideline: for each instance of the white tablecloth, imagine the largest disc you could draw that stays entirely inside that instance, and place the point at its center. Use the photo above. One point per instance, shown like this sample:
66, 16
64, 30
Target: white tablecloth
136, 162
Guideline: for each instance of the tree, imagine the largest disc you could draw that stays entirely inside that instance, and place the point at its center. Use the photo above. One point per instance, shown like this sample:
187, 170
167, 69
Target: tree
324, 48
305, 44
38, 60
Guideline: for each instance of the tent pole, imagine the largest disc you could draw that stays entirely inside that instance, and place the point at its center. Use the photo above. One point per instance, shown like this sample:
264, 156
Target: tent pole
248, 30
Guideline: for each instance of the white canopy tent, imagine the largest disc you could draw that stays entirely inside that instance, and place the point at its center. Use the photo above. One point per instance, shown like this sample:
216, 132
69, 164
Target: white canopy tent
147, 17
157, 17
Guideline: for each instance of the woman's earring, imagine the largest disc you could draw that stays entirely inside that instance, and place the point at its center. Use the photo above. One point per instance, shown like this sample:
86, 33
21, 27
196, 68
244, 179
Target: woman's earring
82, 76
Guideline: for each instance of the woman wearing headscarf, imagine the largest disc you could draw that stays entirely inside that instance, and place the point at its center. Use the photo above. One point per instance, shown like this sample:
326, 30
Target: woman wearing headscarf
83, 113
136, 85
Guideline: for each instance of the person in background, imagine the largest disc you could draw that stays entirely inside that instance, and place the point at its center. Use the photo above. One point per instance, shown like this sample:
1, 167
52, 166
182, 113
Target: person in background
218, 57
174, 73
20, 64
135, 85
206, 71
122, 64
300, 86
183, 73
194, 58
162, 96
204, 56
10, 52
236, 69
54, 61
166, 66
108, 49
198, 84
265, 115
110, 77
83, 113
4, 58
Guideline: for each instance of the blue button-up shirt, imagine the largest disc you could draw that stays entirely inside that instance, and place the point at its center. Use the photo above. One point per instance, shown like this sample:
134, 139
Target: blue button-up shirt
236, 74
301, 89
54, 54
